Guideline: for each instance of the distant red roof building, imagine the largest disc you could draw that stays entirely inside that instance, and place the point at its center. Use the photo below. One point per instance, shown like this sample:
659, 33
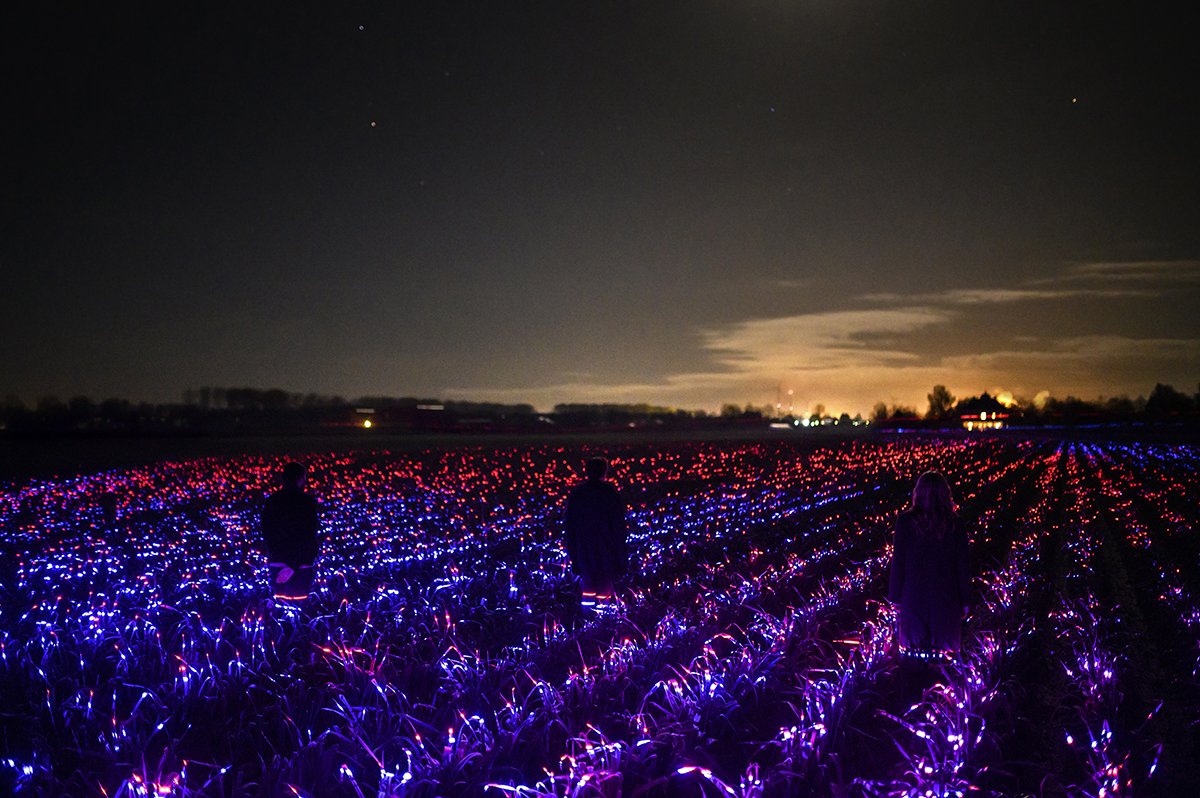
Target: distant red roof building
981, 412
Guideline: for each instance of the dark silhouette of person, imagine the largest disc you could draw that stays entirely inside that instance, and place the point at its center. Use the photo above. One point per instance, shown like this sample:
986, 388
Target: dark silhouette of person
595, 532
931, 574
114, 525
289, 528
931, 570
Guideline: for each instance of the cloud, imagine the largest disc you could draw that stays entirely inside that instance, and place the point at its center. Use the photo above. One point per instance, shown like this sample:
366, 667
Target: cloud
1088, 366
840, 359
1087, 352
997, 296
850, 359
824, 359
852, 390
1154, 277
840, 339
1163, 271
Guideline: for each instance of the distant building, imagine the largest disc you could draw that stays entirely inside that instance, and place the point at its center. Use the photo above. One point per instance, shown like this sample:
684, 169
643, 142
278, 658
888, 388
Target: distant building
981, 412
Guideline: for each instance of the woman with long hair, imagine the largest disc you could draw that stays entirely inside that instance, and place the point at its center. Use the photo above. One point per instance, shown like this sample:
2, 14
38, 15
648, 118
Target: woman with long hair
931, 571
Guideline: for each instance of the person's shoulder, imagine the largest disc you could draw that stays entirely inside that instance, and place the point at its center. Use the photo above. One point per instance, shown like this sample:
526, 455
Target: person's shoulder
292, 498
606, 492
906, 524
309, 502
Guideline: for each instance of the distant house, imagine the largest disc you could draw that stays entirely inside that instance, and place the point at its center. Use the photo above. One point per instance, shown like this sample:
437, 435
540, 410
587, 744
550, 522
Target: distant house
981, 412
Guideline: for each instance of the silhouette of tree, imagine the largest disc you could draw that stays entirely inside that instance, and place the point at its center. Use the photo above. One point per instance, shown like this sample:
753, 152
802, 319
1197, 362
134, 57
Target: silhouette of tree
81, 407
941, 401
275, 399
1070, 411
238, 398
1120, 408
111, 408
879, 412
1166, 403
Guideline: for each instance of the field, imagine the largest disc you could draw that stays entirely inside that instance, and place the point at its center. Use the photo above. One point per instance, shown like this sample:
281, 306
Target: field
444, 651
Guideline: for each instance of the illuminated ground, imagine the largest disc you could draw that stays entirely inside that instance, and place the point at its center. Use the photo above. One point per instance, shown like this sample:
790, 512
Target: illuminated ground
445, 652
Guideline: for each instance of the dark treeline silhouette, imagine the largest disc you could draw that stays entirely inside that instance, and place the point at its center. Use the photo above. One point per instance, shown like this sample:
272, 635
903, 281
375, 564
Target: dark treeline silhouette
274, 399
253, 411
1166, 405
618, 415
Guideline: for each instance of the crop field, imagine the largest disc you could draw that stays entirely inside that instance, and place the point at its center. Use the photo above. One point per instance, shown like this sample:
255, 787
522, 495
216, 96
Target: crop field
750, 651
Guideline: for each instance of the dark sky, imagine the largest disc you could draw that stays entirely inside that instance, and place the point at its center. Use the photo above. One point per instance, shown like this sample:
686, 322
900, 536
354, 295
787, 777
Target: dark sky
683, 203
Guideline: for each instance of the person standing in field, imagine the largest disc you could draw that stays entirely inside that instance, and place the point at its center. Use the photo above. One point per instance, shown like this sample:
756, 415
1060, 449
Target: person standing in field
289, 528
931, 572
595, 532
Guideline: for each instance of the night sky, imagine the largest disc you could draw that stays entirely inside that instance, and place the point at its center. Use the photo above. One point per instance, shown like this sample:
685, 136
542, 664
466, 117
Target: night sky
679, 203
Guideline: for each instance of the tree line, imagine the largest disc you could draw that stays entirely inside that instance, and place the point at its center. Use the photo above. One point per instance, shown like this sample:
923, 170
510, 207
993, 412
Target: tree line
275, 411
1164, 405
217, 411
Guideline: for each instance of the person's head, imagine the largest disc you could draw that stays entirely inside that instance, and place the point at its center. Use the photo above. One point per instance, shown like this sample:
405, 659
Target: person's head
933, 504
596, 469
293, 475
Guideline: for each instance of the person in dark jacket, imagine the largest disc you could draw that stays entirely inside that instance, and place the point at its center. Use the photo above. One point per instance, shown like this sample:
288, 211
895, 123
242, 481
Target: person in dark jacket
931, 571
595, 532
289, 528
